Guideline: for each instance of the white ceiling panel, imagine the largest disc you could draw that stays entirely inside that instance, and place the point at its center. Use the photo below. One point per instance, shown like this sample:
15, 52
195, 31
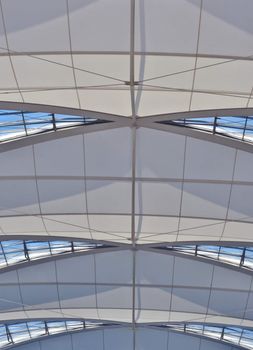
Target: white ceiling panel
192, 273
52, 97
240, 208
18, 197
108, 153
205, 200
157, 25
62, 196
189, 300
232, 304
159, 154
158, 198
226, 32
62, 157
146, 269
7, 77
152, 298
18, 162
244, 166
72, 296
43, 72
35, 28
106, 196
208, 161
104, 25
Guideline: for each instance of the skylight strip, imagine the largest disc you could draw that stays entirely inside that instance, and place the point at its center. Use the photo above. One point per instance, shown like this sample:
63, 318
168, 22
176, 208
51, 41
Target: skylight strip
237, 256
16, 333
233, 335
236, 127
13, 252
18, 124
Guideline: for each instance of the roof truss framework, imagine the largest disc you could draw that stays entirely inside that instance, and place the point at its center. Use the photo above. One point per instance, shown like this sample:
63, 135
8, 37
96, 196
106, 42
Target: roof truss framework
71, 219
160, 183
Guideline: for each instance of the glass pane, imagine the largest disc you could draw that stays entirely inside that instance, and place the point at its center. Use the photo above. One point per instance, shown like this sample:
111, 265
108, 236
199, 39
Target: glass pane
38, 249
248, 260
73, 325
211, 252
60, 247
38, 122
14, 251
3, 336
56, 327
206, 124
63, 121
19, 332
213, 332
11, 125
232, 335
231, 255
36, 329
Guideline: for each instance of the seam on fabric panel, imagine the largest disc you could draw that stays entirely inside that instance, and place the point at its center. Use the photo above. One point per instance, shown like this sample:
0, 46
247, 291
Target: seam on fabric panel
38, 193
196, 58
9, 55
182, 190
230, 194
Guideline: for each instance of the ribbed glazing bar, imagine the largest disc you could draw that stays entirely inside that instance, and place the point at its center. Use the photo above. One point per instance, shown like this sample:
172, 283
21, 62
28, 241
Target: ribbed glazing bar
15, 333
13, 252
236, 127
234, 335
19, 124
237, 256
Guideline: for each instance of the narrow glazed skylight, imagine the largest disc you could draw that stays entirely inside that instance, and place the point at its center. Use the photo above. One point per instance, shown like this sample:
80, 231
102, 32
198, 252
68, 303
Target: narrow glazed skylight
19, 124
240, 128
19, 251
15, 333
237, 256
234, 335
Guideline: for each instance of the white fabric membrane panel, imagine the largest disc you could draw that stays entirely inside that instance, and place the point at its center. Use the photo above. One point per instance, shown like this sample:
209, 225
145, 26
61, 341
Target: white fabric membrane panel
226, 32
151, 37
98, 35
184, 188
78, 287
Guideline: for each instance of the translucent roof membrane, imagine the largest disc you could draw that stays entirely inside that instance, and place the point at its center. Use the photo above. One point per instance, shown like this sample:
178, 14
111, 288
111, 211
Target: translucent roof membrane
233, 335
18, 124
15, 333
19, 251
240, 128
237, 256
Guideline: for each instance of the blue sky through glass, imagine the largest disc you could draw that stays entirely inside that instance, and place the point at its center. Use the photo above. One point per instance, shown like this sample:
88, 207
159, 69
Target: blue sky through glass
237, 127
18, 124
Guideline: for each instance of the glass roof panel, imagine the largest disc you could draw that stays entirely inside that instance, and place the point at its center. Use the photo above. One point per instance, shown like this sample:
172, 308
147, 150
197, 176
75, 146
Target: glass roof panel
238, 256
11, 125
15, 333
16, 251
19, 332
36, 329
18, 124
37, 122
237, 127
56, 327
233, 335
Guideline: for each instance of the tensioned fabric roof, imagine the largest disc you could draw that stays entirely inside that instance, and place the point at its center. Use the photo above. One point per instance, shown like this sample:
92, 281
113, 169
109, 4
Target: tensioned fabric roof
126, 174
173, 56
